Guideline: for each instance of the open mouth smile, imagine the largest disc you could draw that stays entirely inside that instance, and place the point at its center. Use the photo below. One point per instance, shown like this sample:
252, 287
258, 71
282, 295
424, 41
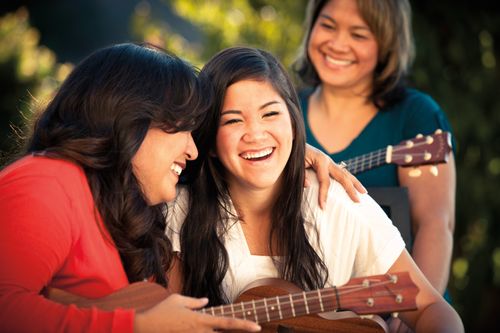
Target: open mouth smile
338, 62
176, 168
258, 155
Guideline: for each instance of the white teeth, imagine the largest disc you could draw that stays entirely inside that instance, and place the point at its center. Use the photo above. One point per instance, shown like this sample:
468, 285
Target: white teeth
262, 153
338, 62
176, 168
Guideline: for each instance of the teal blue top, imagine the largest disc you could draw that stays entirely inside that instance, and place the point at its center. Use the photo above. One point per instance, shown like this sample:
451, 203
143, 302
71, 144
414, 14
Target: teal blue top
416, 113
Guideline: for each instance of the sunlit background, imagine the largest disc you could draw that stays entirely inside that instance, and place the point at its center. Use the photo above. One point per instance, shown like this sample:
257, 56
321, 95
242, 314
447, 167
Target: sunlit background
457, 63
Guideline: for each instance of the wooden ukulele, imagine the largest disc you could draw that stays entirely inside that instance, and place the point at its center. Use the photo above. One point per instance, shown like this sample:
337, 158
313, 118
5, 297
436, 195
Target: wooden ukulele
280, 306
422, 150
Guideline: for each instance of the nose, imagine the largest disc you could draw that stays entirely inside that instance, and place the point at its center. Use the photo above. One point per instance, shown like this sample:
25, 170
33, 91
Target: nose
191, 150
254, 132
339, 42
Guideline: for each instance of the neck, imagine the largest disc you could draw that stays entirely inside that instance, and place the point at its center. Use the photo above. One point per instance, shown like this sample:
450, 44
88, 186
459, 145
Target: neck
253, 204
335, 103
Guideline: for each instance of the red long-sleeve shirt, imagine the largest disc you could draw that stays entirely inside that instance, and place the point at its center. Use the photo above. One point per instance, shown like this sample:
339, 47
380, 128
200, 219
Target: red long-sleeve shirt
50, 236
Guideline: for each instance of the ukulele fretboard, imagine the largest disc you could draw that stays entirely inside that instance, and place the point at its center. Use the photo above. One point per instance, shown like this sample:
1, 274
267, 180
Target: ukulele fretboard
367, 161
280, 307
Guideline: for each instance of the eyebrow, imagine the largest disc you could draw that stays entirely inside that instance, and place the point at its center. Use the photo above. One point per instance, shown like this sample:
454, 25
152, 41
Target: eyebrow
263, 106
329, 18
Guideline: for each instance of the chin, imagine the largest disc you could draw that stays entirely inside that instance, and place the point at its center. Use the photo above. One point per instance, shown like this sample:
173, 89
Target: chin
264, 183
170, 197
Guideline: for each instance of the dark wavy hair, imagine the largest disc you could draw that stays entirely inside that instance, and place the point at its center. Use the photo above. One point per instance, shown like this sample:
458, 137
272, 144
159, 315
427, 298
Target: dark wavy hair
204, 257
390, 22
98, 120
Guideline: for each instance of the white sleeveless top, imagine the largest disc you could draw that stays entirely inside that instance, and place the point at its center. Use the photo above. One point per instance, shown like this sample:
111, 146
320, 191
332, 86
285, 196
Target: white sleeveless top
355, 239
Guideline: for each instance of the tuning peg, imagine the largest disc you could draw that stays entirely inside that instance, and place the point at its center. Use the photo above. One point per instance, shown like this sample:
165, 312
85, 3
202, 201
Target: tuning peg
395, 314
434, 170
438, 131
427, 156
429, 139
408, 158
419, 136
415, 172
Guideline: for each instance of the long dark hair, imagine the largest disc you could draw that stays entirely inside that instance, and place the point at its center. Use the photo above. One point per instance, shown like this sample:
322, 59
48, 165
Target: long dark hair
98, 120
204, 257
390, 22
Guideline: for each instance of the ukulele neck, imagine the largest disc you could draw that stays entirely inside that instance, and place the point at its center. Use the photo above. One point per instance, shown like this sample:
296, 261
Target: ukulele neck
368, 161
281, 307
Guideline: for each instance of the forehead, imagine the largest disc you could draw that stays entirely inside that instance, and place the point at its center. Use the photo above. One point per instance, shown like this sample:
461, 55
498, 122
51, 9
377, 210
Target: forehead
342, 10
251, 92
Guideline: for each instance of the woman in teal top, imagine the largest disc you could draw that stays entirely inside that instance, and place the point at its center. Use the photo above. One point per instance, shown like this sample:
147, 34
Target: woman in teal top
355, 56
416, 114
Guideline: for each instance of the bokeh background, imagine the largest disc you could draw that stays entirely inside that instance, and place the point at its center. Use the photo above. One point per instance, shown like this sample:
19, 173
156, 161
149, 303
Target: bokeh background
457, 63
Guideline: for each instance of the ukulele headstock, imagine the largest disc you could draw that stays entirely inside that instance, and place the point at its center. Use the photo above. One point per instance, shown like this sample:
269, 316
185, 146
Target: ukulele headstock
379, 294
422, 150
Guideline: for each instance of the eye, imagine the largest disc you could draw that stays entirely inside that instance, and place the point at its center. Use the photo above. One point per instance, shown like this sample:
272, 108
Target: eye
359, 36
327, 26
230, 121
271, 113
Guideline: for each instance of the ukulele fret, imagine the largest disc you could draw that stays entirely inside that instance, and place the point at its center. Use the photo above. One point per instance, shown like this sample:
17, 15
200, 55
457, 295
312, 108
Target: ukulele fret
242, 305
267, 310
313, 303
321, 301
305, 302
291, 304
272, 309
337, 298
255, 311
279, 307
232, 310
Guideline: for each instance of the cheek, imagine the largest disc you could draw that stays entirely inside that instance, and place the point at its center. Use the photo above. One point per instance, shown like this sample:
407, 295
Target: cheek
288, 135
221, 143
138, 165
311, 44
369, 53
316, 37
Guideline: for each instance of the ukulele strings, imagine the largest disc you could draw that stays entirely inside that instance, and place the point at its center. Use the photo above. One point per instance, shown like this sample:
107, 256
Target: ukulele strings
379, 156
360, 162
260, 304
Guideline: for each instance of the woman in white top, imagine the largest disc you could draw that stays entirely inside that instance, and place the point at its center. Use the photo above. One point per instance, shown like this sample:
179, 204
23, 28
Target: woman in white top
247, 215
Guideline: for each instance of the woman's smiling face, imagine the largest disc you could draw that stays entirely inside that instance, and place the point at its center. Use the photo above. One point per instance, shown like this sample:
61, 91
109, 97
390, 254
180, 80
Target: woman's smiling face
255, 134
159, 162
342, 47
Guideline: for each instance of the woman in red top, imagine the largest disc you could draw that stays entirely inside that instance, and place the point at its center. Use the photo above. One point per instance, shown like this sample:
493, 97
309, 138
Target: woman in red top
82, 211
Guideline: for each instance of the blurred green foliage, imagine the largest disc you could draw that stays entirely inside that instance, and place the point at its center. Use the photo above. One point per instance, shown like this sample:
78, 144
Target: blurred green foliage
457, 63
29, 75
272, 25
